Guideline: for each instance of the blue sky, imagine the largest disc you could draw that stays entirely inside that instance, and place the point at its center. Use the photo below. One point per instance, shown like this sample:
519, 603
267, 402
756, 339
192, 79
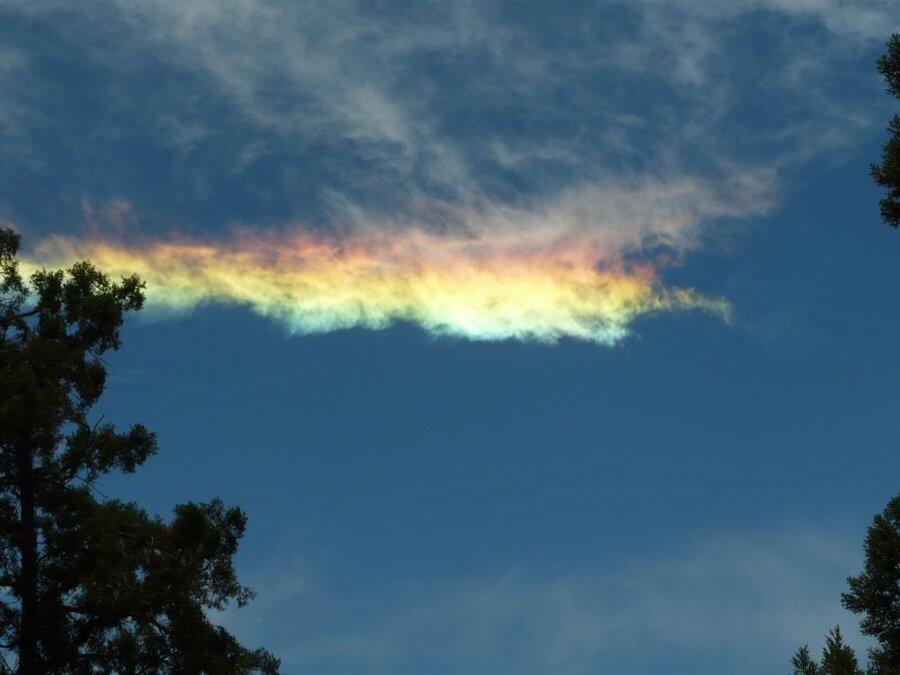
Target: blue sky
687, 500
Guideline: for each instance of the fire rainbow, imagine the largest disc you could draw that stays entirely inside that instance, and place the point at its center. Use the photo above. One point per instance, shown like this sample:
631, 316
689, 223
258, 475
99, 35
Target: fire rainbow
477, 288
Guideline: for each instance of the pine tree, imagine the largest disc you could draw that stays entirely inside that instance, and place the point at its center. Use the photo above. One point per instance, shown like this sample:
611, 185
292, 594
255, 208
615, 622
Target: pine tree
838, 658
803, 663
887, 172
89, 585
875, 593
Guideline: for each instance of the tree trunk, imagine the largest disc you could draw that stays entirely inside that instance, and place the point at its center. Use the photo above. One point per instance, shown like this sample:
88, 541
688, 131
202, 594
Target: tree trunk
28, 658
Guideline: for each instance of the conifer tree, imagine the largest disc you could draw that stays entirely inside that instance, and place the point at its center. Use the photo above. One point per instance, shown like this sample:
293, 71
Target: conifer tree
875, 593
803, 663
838, 658
95, 585
887, 172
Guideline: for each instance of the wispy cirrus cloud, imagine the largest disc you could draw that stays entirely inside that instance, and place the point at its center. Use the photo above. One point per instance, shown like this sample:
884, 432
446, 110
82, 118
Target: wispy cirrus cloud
612, 133
453, 101
750, 599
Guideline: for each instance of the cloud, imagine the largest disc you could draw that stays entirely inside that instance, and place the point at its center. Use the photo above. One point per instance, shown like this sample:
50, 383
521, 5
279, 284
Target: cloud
751, 599
862, 19
387, 104
583, 266
17, 111
493, 172
11, 63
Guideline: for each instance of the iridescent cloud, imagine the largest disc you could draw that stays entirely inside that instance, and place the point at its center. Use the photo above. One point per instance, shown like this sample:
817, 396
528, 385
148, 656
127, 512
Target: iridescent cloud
475, 287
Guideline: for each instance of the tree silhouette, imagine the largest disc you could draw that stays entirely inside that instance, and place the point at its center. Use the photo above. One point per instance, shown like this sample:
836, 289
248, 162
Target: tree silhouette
837, 658
876, 592
803, 663
887, 172
88, 585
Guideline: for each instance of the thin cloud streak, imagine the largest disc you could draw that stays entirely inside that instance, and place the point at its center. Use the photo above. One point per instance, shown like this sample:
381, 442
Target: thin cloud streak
751, 600
459, 288
456, 100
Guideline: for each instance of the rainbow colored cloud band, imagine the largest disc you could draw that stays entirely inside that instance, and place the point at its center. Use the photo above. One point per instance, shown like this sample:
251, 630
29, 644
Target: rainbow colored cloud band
478, 289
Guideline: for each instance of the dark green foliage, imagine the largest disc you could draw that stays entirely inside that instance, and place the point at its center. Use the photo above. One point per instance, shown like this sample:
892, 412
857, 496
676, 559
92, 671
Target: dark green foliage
876, 592
887, 172
889, 65
803, 663
88, 585
837, 658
